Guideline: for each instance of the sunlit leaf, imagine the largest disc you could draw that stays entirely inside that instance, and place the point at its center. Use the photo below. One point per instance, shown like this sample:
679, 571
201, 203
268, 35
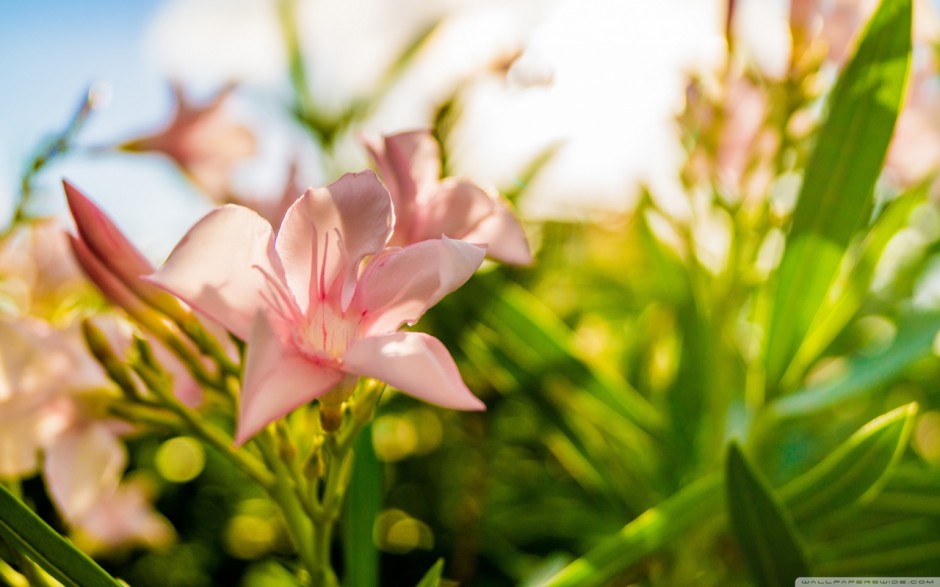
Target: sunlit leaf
848, 293
763, 527
836, 195
862, 374
854, 472
433, 577
652, 531
24, 530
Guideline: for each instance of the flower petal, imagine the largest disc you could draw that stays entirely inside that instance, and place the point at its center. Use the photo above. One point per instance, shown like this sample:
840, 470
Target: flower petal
415, 363
328, 231
461, 209
220, 267
115, 252
104, 239
277, 379
399, 285
504, 236
416, 159
125, 518
82, 466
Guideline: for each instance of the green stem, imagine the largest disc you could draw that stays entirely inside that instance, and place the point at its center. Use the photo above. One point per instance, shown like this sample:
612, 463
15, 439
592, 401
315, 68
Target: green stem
284, 493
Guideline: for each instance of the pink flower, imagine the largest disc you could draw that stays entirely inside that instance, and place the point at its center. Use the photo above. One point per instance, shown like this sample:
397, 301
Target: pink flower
122, 518
313, 313
427, 207
50, 392
112, 262
202, 140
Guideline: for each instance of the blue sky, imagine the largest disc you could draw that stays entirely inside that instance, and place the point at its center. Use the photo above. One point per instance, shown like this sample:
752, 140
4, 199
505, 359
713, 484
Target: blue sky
50, 50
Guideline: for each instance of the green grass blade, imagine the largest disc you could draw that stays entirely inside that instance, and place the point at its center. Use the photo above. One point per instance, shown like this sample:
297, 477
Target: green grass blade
764, 530
913, 341
363, 502
835, 198
652, 531
856, 471
28, 533
433, 576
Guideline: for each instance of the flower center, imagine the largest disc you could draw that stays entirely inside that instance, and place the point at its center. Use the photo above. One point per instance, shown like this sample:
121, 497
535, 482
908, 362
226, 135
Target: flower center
327, 332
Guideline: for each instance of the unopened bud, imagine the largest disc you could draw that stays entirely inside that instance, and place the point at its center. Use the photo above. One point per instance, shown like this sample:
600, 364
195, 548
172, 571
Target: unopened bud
100, 348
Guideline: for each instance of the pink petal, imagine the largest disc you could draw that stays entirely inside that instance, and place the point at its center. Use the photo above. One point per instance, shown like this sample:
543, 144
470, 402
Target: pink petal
83, 465
504, 236
328, 231
455, 209
461, 209
126, 518
399, 285
416, 159
278, 379
115, 252
416, 364
112, 287
102, 237
222, 267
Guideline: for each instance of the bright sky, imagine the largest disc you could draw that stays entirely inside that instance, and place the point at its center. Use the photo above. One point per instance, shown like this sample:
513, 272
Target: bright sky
50, 50
616, 67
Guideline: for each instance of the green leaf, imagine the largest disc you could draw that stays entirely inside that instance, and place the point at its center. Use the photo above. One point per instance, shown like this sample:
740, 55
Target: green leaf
913, 341
856, 471
762, 526
363, 502
652, 531
849, 292
28, 533
835, 197
433, 576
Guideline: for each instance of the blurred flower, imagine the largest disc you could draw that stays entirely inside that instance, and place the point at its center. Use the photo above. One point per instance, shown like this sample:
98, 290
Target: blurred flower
39, 366
914, 154
202, 140
38, 276
50, 390
123, 518
837, 23
311, 318
274, 209
427, 207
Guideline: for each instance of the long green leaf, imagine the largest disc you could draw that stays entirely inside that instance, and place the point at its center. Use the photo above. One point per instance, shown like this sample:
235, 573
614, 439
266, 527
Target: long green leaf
363, 502
856, 471
835, 198
652, 531
433, 577
847, 294
913, 341
26, 531
764, 530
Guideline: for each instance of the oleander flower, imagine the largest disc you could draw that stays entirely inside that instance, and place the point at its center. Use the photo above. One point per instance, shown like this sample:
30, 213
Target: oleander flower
427, 207
50, 421
203, 141
315, 313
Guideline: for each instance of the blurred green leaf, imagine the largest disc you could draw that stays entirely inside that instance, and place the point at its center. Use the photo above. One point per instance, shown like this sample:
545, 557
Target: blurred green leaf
850, 291
653, 530
433, 576
856, 471
28, 533
835, 198
528, 324
363, 502
764, 530
913, 341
